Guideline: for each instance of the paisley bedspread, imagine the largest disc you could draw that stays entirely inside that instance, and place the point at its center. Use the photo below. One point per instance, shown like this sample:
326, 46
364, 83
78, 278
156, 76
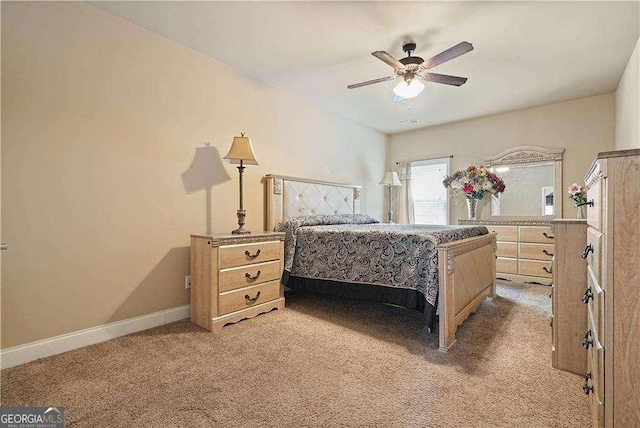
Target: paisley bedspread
356, 248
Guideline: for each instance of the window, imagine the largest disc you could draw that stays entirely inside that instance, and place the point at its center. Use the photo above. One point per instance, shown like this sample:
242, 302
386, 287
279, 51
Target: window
430, 197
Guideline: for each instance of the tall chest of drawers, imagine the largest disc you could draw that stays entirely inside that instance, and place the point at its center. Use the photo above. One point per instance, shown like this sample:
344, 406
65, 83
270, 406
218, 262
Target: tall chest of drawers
524, 249
569, 320
235, 277
612, 296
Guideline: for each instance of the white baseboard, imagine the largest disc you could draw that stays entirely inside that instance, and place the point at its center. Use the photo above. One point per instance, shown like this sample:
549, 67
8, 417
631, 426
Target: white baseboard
21, 354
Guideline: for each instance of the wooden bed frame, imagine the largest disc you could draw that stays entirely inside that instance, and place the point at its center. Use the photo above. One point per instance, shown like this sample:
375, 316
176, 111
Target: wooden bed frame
467, 268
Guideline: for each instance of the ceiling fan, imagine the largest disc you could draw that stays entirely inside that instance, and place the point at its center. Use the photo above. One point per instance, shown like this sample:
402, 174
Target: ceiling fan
414, 68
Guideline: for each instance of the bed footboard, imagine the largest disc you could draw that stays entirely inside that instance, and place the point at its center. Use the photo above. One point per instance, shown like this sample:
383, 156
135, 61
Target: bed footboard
467, 275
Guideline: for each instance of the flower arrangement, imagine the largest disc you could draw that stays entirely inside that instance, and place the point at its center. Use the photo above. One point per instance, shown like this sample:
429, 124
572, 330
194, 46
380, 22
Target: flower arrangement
577, 194
474, 182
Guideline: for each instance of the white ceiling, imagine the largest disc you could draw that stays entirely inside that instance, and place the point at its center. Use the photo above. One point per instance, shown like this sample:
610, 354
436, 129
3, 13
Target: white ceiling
525, 54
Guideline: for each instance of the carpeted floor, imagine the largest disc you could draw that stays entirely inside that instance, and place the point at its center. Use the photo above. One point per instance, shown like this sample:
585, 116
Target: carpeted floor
322, 361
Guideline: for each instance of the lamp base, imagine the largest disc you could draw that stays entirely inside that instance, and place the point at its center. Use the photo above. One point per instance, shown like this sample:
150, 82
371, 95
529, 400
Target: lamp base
241, 230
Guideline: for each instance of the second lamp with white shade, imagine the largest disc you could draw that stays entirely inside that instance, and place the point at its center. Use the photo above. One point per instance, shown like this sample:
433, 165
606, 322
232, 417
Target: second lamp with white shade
390, 179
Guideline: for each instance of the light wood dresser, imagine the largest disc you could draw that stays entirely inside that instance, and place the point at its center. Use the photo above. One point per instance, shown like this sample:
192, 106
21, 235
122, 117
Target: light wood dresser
569, 319
612, 296
235, 277
524, 249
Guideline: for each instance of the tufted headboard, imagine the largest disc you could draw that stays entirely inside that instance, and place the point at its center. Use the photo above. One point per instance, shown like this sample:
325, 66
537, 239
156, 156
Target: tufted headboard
288, 197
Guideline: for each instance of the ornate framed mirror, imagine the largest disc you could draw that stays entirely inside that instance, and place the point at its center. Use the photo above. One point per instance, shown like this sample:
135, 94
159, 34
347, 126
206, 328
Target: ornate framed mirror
533, 179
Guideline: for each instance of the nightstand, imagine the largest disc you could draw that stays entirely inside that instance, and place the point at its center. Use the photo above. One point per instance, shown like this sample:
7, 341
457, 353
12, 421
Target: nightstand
234, 277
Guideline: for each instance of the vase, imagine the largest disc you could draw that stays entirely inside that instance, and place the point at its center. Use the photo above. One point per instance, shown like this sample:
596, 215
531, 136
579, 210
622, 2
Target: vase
471, 208
582, 212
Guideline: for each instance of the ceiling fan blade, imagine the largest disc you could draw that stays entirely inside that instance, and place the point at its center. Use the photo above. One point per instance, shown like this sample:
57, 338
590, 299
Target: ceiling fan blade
444, 78
386, 57
370, 82
451, 53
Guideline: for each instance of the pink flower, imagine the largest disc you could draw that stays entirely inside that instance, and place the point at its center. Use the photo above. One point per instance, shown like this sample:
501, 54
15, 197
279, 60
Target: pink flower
574, 188
468, 189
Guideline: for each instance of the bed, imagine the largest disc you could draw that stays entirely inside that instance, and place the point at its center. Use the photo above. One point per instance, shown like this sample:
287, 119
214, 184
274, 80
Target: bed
444, 272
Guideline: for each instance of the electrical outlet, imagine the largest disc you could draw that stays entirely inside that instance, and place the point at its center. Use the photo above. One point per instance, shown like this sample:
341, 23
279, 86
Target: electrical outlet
187, 282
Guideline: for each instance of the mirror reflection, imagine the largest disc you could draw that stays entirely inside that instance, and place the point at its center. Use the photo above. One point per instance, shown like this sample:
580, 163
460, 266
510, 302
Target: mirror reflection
529, 191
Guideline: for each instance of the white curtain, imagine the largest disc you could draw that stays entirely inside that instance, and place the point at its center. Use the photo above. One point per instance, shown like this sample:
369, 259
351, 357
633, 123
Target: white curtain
405, 197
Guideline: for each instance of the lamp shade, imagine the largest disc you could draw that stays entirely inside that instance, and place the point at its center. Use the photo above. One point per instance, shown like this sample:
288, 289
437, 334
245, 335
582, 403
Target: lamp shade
391, 179
409, 90
241, 150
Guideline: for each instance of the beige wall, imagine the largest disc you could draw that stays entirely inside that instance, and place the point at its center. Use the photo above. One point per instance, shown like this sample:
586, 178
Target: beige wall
101, 121
583, 127
628, 105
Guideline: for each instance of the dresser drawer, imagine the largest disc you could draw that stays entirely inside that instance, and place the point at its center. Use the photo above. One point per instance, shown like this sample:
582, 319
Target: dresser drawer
594, 256
536, 234
504, 233
595, 296
507, 249
244, 276
535, 268
244, 254
536, 251
595, 360
595, 212
593, 378
504, 265
232, 301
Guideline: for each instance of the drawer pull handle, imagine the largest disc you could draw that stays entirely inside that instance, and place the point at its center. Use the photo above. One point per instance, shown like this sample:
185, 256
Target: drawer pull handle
588, 203
588, 249
547, 270
547, 253
252, 299
248, 276
551, 292
588, 389
551, 322
588, 294
252, 256
547, 236
586, 343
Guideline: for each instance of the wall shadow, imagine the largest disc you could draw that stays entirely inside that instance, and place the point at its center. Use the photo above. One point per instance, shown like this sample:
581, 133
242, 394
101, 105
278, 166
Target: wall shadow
163, 288
206, 170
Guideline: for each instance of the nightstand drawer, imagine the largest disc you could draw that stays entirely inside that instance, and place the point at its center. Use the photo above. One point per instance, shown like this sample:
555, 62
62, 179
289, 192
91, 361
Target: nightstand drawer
243, 298
244, 276
244, 254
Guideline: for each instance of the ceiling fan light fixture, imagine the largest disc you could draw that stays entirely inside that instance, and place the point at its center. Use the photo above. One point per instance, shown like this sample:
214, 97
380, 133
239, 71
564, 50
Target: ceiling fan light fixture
409, 89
